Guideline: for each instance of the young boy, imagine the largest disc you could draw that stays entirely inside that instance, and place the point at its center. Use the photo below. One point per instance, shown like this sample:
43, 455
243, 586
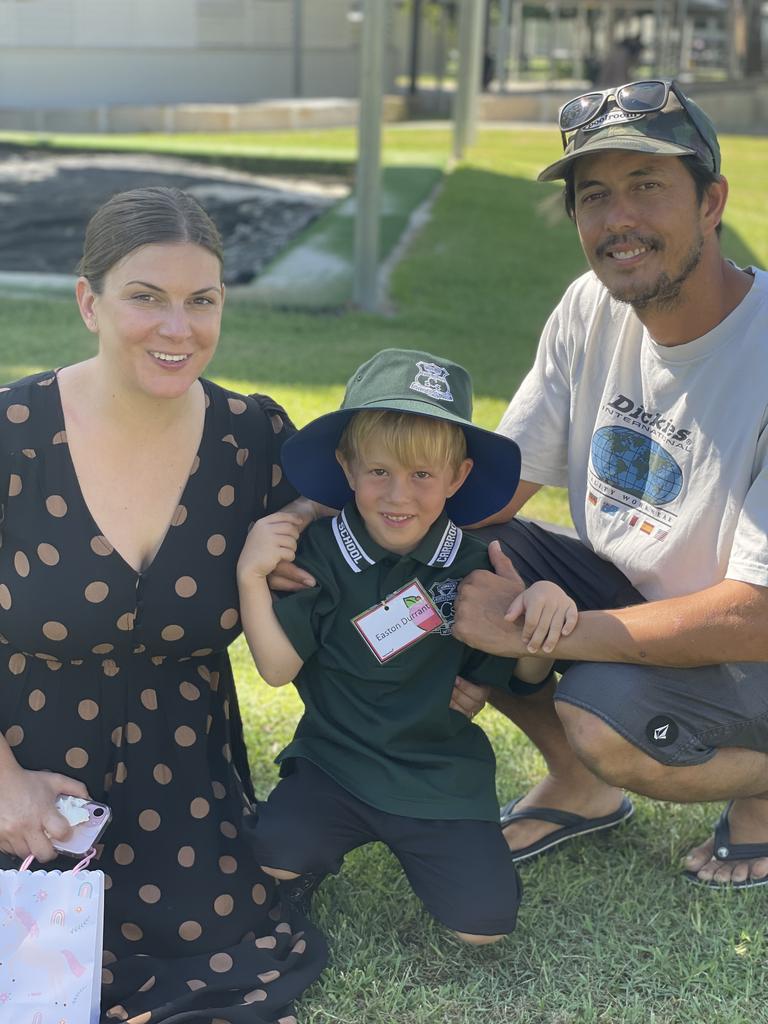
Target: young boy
378, 754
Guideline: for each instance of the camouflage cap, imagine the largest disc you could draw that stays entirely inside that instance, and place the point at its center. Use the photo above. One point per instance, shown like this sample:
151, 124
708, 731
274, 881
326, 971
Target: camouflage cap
676, 130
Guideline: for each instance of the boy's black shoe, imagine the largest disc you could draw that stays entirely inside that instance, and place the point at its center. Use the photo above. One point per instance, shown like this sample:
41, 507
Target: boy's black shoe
299, 891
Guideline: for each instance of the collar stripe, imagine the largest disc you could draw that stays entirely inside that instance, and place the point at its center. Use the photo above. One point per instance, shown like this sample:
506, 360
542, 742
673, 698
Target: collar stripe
447, 547
349, 545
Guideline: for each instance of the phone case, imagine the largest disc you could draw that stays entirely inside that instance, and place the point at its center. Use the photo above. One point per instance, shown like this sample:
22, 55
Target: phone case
87, 833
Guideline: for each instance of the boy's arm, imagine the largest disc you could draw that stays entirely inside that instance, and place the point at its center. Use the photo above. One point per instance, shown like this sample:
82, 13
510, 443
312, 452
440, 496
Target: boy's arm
287, 577
549, 614
272, 539
274, 655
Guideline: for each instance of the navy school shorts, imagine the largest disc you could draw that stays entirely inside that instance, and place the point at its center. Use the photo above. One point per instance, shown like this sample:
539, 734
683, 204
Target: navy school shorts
462, 871
678, 716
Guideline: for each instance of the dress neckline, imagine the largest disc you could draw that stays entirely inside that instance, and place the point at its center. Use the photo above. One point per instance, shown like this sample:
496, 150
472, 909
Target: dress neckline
138, 573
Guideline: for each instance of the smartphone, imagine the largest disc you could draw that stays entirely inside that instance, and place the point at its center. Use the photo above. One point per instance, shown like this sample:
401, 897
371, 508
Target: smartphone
87, 833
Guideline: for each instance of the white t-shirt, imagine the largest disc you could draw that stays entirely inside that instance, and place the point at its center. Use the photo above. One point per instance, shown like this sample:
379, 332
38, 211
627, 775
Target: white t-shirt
664, 451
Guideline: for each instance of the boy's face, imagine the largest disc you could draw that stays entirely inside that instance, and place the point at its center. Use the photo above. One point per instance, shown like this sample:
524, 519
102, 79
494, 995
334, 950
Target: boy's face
400, 503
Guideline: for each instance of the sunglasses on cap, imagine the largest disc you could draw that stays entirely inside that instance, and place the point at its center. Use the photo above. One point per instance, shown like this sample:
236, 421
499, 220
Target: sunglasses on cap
644, 97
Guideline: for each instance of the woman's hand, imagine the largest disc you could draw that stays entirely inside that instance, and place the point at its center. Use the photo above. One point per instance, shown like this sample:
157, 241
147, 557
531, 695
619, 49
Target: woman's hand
272, 540
28, 815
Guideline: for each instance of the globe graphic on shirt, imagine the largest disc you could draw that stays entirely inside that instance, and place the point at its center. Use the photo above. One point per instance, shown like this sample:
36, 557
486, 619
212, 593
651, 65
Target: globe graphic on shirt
635, 464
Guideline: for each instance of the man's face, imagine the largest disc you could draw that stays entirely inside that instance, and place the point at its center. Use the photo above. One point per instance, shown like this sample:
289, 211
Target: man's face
640, 225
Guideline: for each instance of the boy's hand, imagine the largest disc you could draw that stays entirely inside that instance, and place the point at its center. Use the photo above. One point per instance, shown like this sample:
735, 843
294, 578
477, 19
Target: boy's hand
272, 540
549, 614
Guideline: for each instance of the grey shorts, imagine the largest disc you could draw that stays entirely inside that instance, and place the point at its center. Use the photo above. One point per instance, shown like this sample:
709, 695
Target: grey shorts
678, 716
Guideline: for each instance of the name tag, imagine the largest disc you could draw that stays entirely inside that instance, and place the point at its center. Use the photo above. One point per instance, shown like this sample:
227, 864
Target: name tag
398, 622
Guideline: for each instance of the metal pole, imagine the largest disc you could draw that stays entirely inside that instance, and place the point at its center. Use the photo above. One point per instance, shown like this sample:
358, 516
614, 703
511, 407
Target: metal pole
471, 14
298, 18
502, 49
415, 46
686, 37
368, 179
517, 36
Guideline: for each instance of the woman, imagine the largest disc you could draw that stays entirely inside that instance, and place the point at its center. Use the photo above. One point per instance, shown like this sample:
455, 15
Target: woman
129, 484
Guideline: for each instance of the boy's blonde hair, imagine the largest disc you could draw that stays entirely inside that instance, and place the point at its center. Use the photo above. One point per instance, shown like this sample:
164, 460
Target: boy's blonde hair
409, 438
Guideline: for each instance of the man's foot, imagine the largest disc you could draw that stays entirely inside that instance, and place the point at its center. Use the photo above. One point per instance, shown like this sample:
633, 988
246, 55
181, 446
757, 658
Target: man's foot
594, 799
747, 822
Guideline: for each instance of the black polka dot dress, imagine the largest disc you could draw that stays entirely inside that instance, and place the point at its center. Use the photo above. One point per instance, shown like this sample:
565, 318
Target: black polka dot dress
122, 679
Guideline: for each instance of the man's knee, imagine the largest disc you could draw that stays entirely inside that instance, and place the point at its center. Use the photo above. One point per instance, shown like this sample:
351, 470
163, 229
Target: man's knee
611, 757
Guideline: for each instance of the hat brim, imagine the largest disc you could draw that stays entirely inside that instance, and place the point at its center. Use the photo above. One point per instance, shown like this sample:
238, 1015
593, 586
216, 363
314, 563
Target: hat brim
633, 143
309, 461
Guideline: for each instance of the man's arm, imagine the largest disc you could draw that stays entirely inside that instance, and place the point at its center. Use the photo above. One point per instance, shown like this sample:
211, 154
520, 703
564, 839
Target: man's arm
525, 490
725, 622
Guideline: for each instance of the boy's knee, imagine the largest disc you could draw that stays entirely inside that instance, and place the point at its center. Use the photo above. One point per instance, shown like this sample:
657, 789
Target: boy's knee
279, 873
478, 940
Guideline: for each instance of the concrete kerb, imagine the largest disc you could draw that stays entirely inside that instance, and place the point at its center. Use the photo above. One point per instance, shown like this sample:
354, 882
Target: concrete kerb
316, 271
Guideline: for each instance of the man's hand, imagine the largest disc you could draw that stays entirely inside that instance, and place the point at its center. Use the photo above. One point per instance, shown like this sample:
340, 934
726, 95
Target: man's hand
468, 698
483, 600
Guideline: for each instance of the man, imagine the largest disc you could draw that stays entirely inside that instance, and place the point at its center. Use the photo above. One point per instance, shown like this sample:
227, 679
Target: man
647, 399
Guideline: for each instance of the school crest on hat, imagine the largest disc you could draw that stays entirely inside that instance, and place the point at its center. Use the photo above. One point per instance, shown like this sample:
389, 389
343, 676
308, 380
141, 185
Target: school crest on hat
432, 380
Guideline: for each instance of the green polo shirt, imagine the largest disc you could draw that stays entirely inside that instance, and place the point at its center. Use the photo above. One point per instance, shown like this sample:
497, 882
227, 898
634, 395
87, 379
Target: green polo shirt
385, 731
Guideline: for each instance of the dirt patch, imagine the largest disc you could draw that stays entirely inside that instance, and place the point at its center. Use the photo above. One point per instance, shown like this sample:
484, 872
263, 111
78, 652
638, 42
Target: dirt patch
46, 199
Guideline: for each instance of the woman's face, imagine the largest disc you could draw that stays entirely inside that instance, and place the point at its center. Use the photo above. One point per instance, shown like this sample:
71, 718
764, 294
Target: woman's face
158, 317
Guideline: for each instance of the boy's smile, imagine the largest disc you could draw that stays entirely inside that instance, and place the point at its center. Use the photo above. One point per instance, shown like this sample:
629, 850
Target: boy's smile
400, 503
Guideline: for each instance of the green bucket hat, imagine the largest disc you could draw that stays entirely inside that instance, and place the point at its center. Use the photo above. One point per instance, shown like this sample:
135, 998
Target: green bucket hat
680, 128
405, 380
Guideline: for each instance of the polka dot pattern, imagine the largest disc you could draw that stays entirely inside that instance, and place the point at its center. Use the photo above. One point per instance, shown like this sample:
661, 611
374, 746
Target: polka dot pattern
185, 586
216, 544
96, 592
48, 554
122, 679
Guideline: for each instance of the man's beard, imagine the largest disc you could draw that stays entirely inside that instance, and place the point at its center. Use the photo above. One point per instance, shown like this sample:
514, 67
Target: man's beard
663, 294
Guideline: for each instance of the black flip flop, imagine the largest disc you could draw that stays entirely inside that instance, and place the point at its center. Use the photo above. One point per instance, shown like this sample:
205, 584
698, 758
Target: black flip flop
571, 825
725, 850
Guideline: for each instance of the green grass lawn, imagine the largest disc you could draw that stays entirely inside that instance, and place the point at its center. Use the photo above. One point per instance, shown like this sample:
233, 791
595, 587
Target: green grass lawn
608, 932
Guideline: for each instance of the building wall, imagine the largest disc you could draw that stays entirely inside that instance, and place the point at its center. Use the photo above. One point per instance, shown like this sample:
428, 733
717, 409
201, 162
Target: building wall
76, 53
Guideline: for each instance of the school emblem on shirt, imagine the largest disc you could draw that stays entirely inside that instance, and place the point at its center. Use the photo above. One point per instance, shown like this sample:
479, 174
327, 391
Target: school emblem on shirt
432, 380
443, 595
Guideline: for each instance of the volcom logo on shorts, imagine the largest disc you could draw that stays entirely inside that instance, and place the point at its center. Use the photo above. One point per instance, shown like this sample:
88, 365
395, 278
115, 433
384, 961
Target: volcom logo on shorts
443, 595
432, 380
662, 731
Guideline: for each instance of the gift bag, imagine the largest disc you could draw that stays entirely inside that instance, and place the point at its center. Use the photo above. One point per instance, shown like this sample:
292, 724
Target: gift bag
51, 933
